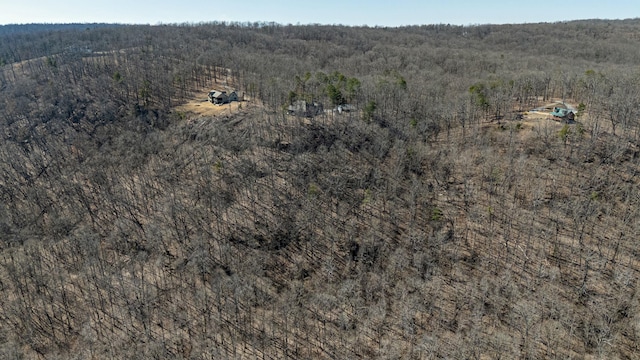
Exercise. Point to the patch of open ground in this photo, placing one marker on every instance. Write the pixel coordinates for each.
(200, 106)
(543, 113)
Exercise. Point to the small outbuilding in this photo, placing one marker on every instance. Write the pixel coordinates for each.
(306, 109)
(345, 108)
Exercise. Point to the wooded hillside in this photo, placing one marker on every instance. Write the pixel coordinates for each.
(438, 218)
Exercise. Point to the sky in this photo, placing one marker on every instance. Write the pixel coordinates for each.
(346, 12)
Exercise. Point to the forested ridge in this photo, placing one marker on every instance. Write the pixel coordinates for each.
(436, 219)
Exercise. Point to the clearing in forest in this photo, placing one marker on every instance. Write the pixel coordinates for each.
(198, 104)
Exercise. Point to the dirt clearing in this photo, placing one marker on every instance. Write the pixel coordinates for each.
(200, 106)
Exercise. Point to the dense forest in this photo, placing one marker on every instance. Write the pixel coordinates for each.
(435, 219)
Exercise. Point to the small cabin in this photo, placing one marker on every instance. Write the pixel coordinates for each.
(561, 114)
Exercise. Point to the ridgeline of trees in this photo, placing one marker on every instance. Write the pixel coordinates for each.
(14, 29)
(429, 223)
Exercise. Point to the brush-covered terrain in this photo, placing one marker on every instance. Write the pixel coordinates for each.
(439, 217)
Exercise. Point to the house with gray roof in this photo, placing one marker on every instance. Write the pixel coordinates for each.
(222, 97)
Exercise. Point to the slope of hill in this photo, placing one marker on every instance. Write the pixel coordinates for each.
(429, 222)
